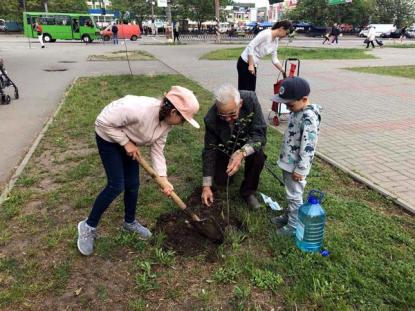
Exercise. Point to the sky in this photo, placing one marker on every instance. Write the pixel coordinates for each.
(259, 3)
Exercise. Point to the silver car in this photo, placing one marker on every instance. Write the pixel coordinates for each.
(3, 26)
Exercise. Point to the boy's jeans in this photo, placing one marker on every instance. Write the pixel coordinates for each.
(294, 191)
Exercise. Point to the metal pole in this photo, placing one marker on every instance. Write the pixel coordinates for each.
(24, 10)
(217, 17)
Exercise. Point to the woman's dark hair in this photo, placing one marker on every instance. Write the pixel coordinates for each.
(286, 24)
(166, 109)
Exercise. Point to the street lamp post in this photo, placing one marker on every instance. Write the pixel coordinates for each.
(217, 17)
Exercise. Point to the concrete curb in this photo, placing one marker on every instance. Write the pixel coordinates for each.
(9, 186)
(402, 203)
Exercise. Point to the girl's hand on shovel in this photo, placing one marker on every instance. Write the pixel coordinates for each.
(168, 187)
(132, 150)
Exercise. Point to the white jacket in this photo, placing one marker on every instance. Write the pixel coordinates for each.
(371, 35)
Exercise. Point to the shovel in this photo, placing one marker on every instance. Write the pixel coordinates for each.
(207, 227)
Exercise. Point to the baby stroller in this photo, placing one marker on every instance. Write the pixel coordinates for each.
(6, 82)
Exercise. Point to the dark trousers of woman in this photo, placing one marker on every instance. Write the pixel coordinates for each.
(176, 35)
(370, 42)
(254, 164)
(246, 80)
(122, 175)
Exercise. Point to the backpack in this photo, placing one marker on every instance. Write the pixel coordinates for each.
(114, 29)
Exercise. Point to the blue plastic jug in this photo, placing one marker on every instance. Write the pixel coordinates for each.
(310, 227)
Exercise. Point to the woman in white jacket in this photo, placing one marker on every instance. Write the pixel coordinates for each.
(265, 43)
(371, 36)
(121, 126)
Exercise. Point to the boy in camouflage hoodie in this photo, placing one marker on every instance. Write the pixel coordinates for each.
(298, 147)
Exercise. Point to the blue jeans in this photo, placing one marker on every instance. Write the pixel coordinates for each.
(122, 175)
(115, 38)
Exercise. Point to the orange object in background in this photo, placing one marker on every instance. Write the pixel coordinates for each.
(129, 31)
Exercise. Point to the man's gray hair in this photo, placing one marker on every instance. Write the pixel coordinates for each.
(227, 92)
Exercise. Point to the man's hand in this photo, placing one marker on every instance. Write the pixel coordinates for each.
(251, 69)
(235, 162)
(167, 186)
(297, 177)
(207, 196)
(132, 150)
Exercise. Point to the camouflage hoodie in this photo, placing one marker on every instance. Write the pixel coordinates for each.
(300, 140)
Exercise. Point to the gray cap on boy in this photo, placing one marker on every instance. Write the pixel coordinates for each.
(292, 89)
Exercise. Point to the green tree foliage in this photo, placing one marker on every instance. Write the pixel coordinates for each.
(319, 12)
(12, 10)
(358, 12)
(139, 9)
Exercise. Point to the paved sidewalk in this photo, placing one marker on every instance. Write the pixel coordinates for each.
(368, 124)
(41, 91)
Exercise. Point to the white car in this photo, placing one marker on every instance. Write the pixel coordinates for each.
(379, 28)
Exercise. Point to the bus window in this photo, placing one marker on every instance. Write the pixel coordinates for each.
(62, 20)
(47, 20)
(85, 21)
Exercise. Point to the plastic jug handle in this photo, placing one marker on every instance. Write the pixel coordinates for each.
(317, 194)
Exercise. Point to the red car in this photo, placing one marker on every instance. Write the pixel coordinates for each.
(129, 31)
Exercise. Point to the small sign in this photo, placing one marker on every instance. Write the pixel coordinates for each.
(162, 3)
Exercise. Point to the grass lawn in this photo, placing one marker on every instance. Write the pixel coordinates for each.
(372, 242)
(121, 55)
(301, 53)
(399, 71)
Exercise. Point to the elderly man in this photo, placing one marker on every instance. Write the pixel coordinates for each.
(235, 131)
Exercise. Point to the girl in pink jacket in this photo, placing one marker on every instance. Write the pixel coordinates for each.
(121, 128)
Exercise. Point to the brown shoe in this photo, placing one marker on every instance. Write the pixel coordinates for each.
(252, 202)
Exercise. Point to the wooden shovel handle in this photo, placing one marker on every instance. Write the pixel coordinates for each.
(160, 182)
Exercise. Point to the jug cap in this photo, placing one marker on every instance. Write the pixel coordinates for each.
(315, 197)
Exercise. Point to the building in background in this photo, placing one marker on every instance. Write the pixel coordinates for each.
(102, 12)
(276, 11)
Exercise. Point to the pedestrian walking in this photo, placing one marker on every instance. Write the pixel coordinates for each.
(114, 30)
(298, 147)
(176, 33)
(265, 43)
(120, 128)
(39, 30)
(403, 34)
(371, 36)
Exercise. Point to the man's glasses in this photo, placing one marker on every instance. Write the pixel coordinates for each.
(232, 114)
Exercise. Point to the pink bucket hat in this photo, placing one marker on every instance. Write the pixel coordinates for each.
(185, 102)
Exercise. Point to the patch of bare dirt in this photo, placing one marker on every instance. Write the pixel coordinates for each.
(183, 237)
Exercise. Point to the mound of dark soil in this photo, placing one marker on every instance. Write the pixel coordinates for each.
(182, 237)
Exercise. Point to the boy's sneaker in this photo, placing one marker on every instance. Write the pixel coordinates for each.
(143, 232)
(280, 221)
(286, 231)
(86, 236)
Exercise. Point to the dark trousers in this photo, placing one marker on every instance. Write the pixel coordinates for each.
(122, 175)
(253, 168)
(246, 80)
(370, 42)
(176, 35)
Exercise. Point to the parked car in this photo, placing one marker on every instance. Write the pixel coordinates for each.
(316, 31)
(3, 26)
(411, 31)
(379, 29)
(302, 27)
(346, 28)
(129, 31)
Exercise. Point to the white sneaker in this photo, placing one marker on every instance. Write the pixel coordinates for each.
(135, 226)
(86, 237)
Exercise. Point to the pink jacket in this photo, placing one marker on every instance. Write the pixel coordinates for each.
(136, 118)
